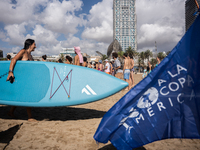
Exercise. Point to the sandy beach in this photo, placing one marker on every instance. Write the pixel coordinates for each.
(69, 128)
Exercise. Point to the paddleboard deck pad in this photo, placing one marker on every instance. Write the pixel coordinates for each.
(48, 84)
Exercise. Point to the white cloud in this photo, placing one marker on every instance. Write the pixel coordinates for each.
(161, 21)
(87, 46)
(103, 33)
(44, 36)
(15, 33)
(59, 17)
(71, 41)
(100, 12)
(156, 32)
(16, 49)
(55, 15)
(90, 47)
(2, 35)
(48, 50)
(100, 22)
(46, 41)
(19, 12)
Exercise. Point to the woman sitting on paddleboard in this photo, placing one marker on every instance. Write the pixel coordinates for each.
(24, 55)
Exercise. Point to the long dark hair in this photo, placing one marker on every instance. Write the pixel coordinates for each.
(28, 43)
(69, 59)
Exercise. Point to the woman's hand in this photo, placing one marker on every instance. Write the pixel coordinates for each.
(10, 77)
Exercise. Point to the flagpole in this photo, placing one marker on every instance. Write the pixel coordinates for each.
(197, 4)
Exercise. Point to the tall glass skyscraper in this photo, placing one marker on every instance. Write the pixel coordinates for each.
(124, 23)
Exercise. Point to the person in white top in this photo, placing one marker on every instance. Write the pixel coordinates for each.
(107, 67)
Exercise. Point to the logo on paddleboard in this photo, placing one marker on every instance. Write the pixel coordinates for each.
(88, 90)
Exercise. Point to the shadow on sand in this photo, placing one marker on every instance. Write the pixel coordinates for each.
(111, 147)
(52, 113)
(7, 136)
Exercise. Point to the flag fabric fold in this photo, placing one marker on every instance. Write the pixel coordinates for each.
(166, 104)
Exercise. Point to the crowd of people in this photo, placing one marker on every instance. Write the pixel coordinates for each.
(112, 67)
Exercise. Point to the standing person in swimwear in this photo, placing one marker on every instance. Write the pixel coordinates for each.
(132, 69)
(158, 61)
(96, 64)
(111, 67)
(149, 67)
(85, 62)
(117, 66)
(107, 67)
(126, 70)
(100, 66)
(78, 59)
(24, 55)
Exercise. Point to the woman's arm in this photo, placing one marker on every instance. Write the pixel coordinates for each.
(13, 62)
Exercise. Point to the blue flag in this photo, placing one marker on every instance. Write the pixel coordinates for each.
(166, 104)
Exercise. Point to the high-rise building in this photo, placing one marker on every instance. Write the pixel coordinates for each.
(190, 9)
(124, 23)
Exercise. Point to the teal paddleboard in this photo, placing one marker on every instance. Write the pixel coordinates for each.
(47, 84)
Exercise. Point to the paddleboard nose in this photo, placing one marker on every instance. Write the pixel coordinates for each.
(124, 84)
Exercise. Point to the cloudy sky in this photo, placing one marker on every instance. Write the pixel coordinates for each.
(57, 24)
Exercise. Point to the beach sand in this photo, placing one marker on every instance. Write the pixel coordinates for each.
(69, 128)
